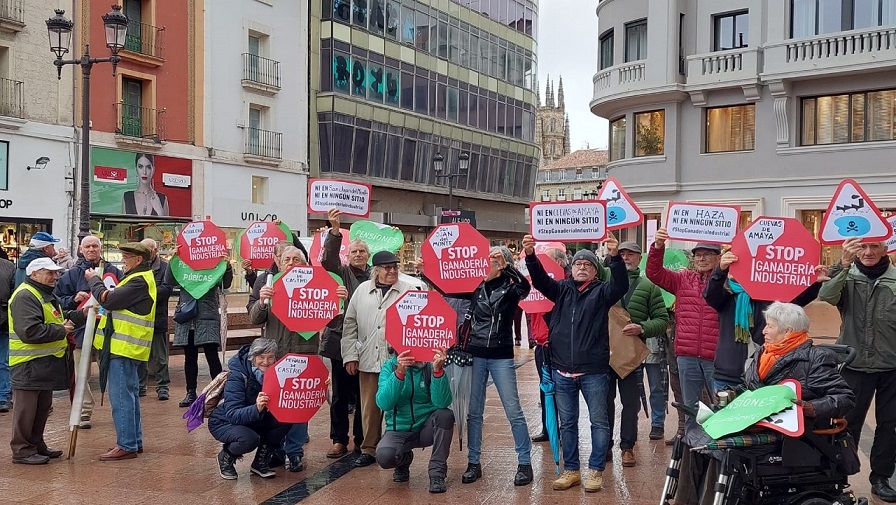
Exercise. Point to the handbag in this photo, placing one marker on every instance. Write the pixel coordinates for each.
(457, 354)
(186, 311)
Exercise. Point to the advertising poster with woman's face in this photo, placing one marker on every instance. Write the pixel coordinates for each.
(140, 184)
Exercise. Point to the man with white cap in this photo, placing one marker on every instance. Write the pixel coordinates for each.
(39, 359)
(42, 245)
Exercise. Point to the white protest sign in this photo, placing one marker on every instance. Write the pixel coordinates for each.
(698, 222)
(852, 214)
(569, 222)
(349, 197)
(621, 210)
(891, 242)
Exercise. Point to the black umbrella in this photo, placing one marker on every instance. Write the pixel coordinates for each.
(105, 356)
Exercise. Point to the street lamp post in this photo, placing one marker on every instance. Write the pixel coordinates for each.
(463, 165)
(59, 29)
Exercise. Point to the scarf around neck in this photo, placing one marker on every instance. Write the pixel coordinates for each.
(875, 271)
(743, 313)
(771, 353)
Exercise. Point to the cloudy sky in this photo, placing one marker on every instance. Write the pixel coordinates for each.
(567, 46)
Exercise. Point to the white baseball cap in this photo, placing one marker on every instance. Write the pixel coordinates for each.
(41, 264)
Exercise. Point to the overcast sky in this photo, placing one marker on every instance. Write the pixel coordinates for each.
(567, 46)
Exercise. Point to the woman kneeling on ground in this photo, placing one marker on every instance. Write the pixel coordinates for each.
(242, 421)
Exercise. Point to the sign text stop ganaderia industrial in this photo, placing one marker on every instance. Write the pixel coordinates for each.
(305, 298)
(201, 245)
(297, 387)
(455, 257)
(420, 321)
(776, 258)
(256, 243)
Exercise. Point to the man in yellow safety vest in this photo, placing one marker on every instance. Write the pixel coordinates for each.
(39, 359)
(125, 335)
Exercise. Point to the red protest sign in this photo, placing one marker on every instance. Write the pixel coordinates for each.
(455, 257)
(305, 298)
(256, 243)
(201, 245)
(541, 247)
(317, 246)
(852, 214)
(297, 387)
(776, 258)
(420, 321)
(536, 303)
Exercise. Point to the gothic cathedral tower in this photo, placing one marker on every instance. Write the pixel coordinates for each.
(552, 125)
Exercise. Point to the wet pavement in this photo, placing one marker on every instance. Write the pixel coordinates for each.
(178, 467)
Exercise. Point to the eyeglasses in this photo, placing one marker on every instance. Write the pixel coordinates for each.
(704, 256)
(390, 268)
(126, 256)
(583, 264)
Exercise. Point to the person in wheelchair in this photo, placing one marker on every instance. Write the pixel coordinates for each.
(788, 353)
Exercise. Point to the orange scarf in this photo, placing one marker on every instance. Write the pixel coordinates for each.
(773, 352)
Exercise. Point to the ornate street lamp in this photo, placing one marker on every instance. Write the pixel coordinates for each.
(463, 166)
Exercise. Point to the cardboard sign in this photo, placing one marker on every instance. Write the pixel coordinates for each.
(196, 282)
(891, 242)
(297, 387)
(455, 257)
(777, 257)
(535, 302)
(256, 243)
(201, 245)
(378, 236)
(350, 197)
(852, 214)
(569, 222)
(420, 321)
(317, 246)
(748, 409)
(621, 209)
(789, 421)
(697, 222)
(305, 298)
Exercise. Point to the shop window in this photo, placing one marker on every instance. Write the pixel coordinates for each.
(731, 128)
(636, 41)
(606, 50)
(730, 31)
(15, 233)
(617, 139)
(259, 190)
(650, 133)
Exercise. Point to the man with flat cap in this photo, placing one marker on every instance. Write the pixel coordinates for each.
(125, 335)
(364, 348)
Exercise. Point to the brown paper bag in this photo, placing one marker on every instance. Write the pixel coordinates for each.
(626, 353)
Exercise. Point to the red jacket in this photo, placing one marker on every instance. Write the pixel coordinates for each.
(539, 328)
(696, 323)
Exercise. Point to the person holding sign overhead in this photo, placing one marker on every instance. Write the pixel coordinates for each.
(863, 288)
(579, 343)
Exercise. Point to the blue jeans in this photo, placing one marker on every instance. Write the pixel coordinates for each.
(124, 386)
(504, 375)
(657, 394)
(720, 384)
(5, 389)
(296, 437)
(566, 395)
(695, 375)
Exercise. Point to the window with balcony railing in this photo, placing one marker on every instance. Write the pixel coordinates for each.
(817, 17)
(263, 143)
(12, 94)
(730, 31)
(139, 122)
(636, 41)
(12, 10)
(261, 70)
(144, 39)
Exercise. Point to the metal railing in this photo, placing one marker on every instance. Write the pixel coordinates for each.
(144, 39)
(12, 98)
(261, 70)
(263, 143)
(12, 10)
(141, 122)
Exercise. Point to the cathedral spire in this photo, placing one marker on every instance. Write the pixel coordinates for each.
(549, 94)
(560, 101)
(566, 146)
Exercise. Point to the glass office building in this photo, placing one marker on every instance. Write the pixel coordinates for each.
(398, 81)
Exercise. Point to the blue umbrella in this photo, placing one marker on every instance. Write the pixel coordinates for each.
(550, 414)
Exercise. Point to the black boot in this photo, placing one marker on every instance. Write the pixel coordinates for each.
(225, 465)
(523, 475)
(402, 471)
(474, 472)
(189, 399)
(260, 463)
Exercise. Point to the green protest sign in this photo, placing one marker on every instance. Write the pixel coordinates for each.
(748, 409)
(308, 334)
(673, 259)
(379, 237)
(196, 282)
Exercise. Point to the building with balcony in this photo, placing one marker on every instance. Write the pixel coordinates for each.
(394, 82)
(37, 158)
(767, 105)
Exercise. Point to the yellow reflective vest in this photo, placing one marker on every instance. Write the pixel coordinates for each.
(20, 352)
(131, 332)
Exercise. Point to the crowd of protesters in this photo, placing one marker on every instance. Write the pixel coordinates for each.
(698, 346)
